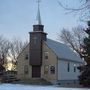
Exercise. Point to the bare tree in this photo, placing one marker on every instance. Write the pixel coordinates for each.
(83, 9)
(9, 50)
(4, 46)
(73, 38)
(4, 49)
(15, 49)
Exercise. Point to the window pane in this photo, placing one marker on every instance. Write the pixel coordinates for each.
(52, 70)
(46, 54)
(68, 68)
(74, 67)
(26, 56)
(46, 69)
(26, 69)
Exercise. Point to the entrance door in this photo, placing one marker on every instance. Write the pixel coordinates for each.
(36, 71)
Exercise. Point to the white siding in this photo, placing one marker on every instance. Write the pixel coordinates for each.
(63, 73)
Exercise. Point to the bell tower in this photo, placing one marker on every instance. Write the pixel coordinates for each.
(37, 36)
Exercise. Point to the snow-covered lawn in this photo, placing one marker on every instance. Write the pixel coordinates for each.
(33, 87)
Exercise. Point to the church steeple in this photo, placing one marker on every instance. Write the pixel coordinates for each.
(38, 27)
(38, 17)
(37, 37)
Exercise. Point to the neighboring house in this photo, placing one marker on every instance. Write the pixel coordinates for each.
(47, 59)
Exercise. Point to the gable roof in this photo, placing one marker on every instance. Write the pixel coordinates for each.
(62, 51)
(27, 46)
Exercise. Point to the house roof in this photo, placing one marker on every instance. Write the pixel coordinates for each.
(62, 51)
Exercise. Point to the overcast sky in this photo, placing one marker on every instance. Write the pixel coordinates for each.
(18, 16)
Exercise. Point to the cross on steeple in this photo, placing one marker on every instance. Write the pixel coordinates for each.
(38, 1)
(38, 18)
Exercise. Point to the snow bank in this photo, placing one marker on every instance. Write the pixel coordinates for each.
(33, 87)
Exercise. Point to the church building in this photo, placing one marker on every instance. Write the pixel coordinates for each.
(47, 59)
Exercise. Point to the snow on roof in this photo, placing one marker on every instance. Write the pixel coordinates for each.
(63, 51)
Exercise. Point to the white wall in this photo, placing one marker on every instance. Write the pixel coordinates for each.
(63, 73)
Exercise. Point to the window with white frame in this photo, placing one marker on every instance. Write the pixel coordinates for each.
(46, 54)
(46, 68)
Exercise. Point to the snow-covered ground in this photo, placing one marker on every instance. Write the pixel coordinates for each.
(33, 87)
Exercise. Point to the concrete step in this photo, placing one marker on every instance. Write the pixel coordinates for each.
(35, 81)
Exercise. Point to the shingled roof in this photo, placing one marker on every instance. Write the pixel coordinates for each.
(62, 51)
